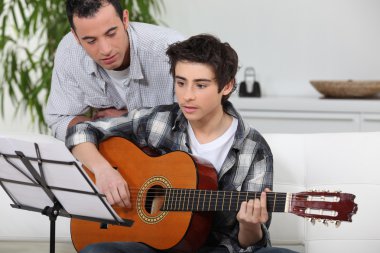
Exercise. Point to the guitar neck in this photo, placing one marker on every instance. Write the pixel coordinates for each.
(210, 200)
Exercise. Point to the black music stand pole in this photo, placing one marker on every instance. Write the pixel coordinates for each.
(53, 213)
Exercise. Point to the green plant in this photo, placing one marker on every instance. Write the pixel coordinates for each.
(30, 31)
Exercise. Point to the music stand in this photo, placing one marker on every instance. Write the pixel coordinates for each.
(42, 176)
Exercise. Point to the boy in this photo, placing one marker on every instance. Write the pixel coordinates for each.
(203, 123)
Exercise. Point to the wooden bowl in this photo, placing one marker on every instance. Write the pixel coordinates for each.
(347, 88)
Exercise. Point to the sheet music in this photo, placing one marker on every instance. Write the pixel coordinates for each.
(84, 205)
(68, 178)
(50, 148)
(8, 172)
(30, 196)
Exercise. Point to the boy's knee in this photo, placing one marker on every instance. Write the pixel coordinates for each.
(93, 248)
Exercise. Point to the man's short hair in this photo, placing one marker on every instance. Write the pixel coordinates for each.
(206, 49)
(88, 8)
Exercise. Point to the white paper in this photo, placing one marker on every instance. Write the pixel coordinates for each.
(85, 205)
(31, 196)
(66, 177)
(7, 171)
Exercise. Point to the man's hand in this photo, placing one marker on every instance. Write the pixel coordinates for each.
(108, 112)
(78, 119)
(99, 113)
(112, 184)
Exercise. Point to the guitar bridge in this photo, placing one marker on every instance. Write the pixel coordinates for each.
(103, 225)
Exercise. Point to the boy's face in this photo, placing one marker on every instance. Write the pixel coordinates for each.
(196, 90)
(104, 37)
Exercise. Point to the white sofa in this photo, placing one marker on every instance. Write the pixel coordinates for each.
(349, 162)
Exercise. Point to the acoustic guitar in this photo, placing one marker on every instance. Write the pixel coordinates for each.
(173, 198)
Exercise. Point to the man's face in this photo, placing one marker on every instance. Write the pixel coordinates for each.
(104, 37)
(197, 94)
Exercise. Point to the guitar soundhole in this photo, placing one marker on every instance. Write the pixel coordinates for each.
(154, 199)
(150, 199)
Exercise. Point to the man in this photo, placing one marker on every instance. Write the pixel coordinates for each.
(107, 65)
(203, 123)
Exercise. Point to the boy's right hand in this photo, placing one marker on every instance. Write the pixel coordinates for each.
(112, 184)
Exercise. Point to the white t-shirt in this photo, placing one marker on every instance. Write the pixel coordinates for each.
(215, 151)
(120, 79)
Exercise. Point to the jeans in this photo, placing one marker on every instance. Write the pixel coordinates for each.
(133, 247)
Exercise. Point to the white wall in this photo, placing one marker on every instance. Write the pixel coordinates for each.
(289, 42)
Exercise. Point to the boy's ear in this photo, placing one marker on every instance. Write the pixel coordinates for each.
(229, 87)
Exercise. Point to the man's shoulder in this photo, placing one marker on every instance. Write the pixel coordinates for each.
(147, 30)
(69, 50)
(153, 36)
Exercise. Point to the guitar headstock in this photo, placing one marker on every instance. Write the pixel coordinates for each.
(324, 206)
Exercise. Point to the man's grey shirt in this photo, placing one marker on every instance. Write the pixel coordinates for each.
(79, 84)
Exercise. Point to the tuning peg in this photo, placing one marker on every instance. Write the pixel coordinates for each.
(312, 221)
(337, 223)
(325, 222)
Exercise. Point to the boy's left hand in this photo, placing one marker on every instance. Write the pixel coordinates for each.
(253, 212)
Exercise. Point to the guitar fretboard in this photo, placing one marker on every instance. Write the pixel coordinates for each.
(210, 200)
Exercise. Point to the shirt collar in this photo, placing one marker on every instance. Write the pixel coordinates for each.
(242, 128)
(91, 66)
(180, 123)
(135, 66)
(241, 132)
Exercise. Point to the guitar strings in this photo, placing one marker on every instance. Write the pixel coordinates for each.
(184, 196)
(153, 192)
(187, 195)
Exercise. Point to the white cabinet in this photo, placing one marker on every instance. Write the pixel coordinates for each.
(309, 115)
(302, 122)
(370, 122)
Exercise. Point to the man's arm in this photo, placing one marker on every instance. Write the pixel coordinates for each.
(98, 114)
(65, 101)
(108, 112)
(78, 119)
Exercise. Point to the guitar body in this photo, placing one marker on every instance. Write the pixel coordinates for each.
(175, 230)
(173, 197)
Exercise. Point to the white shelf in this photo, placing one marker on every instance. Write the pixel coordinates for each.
(311, 104)
(309, 115)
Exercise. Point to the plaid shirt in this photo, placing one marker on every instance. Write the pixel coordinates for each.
(247, 167)
(79, 84)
